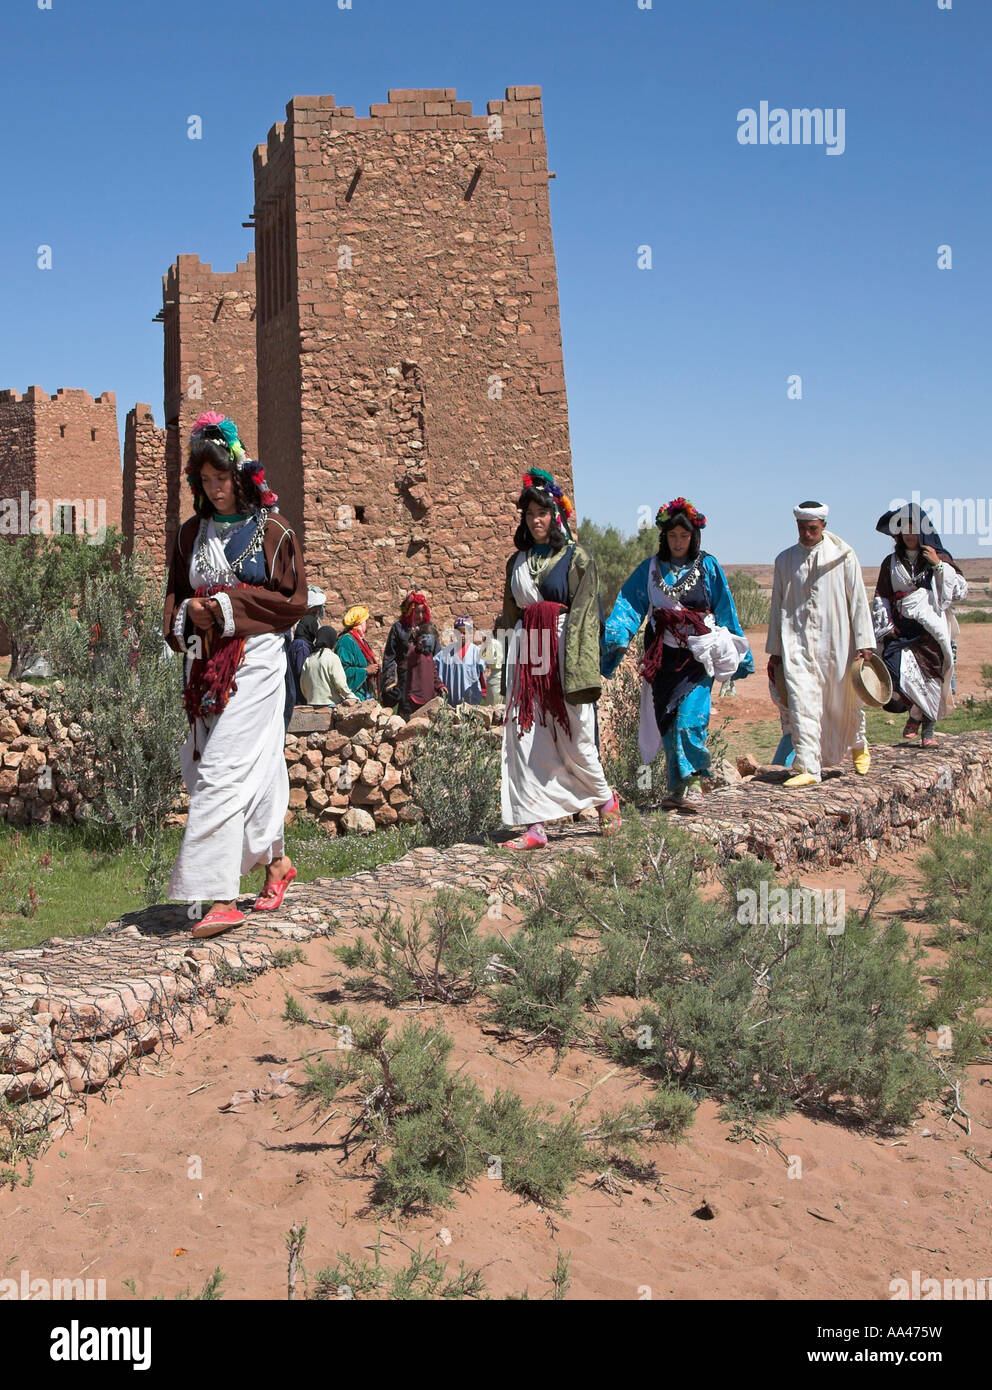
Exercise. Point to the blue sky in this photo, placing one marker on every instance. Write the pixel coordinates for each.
(768, 261)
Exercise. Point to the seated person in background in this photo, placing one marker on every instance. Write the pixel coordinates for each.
(422, 680)
(300, 648)
(358, 659)
(323, 681)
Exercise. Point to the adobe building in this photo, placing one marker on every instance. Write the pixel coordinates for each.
(145, 503)
(209, 322)
(208, 318)
(60, 463)
(409, 344)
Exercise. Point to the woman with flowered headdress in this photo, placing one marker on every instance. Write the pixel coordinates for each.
(693, 636)
(236, 586)
(414, 610)
(551, 766)
(361, 667)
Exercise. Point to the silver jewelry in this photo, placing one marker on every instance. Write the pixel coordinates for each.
(679, 586)
(537, 564)
(216, 576)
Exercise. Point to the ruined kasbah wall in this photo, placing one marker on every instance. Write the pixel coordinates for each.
(78, 456)
(209, 364)
(59, 452)
(145, 499)
(421, 276)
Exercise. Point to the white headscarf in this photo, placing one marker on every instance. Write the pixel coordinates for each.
(815, 512)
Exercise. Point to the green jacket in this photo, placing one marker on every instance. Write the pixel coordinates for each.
(583, 626)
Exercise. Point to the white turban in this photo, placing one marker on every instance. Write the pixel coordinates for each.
(817, 512)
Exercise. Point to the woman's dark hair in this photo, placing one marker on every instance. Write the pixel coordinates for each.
(901, 547)
(326, 637)
(522, 537)
(209, 446)
(664, 553)
(308, 627)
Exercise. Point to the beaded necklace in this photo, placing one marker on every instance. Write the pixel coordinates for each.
(209, 571)
(679, 586)
(537, 564)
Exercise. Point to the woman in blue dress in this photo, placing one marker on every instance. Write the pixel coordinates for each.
(693, 636)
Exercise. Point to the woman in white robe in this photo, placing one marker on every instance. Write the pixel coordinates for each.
(236, 586)
(551, 766)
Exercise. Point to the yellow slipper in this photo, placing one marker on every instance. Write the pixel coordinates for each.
(801, 779)
(862, 760)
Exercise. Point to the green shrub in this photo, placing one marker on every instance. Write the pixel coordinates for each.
(423, 1278)
(753, 609)
(543, 995)
(120, 685)
(957, 879)
(638, 784)
(456, 777)
(437, 954)
(41, 576)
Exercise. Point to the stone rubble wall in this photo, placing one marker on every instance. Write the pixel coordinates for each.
(349, 767)
(74, 1013)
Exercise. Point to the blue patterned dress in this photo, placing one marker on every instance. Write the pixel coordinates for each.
(679, 701)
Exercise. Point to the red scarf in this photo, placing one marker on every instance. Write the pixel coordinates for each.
(211, 680)
(536, 676)
(369, 656)
(678, 621)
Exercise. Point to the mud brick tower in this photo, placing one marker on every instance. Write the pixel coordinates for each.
(209, 321)
(145, 496)
(409, 344)
(63, 452)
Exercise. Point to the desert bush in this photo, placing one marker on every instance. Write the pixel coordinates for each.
(422, 1278)
(957, 881)
(456, 776)
(766, 1017)
(973, 615)
(118, 683)
(638, 784)
(753, 609)
(438, 954)
(616, 555)
(439, 1131)
(41, 576)
(543, 995)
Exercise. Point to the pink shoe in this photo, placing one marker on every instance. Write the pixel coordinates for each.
(609, 816)
(272, 894)
(531, 839)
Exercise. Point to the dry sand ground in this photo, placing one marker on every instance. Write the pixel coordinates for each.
(867, 1209)
(120, 1204)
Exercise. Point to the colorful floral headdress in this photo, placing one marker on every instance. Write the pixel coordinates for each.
(561, 504)
(679, 506)
(210, 425)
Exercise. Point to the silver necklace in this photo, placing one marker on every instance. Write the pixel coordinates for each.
(216, 576)
(537, 564)
(680, 586)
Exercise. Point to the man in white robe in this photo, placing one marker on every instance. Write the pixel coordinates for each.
(820, 621)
